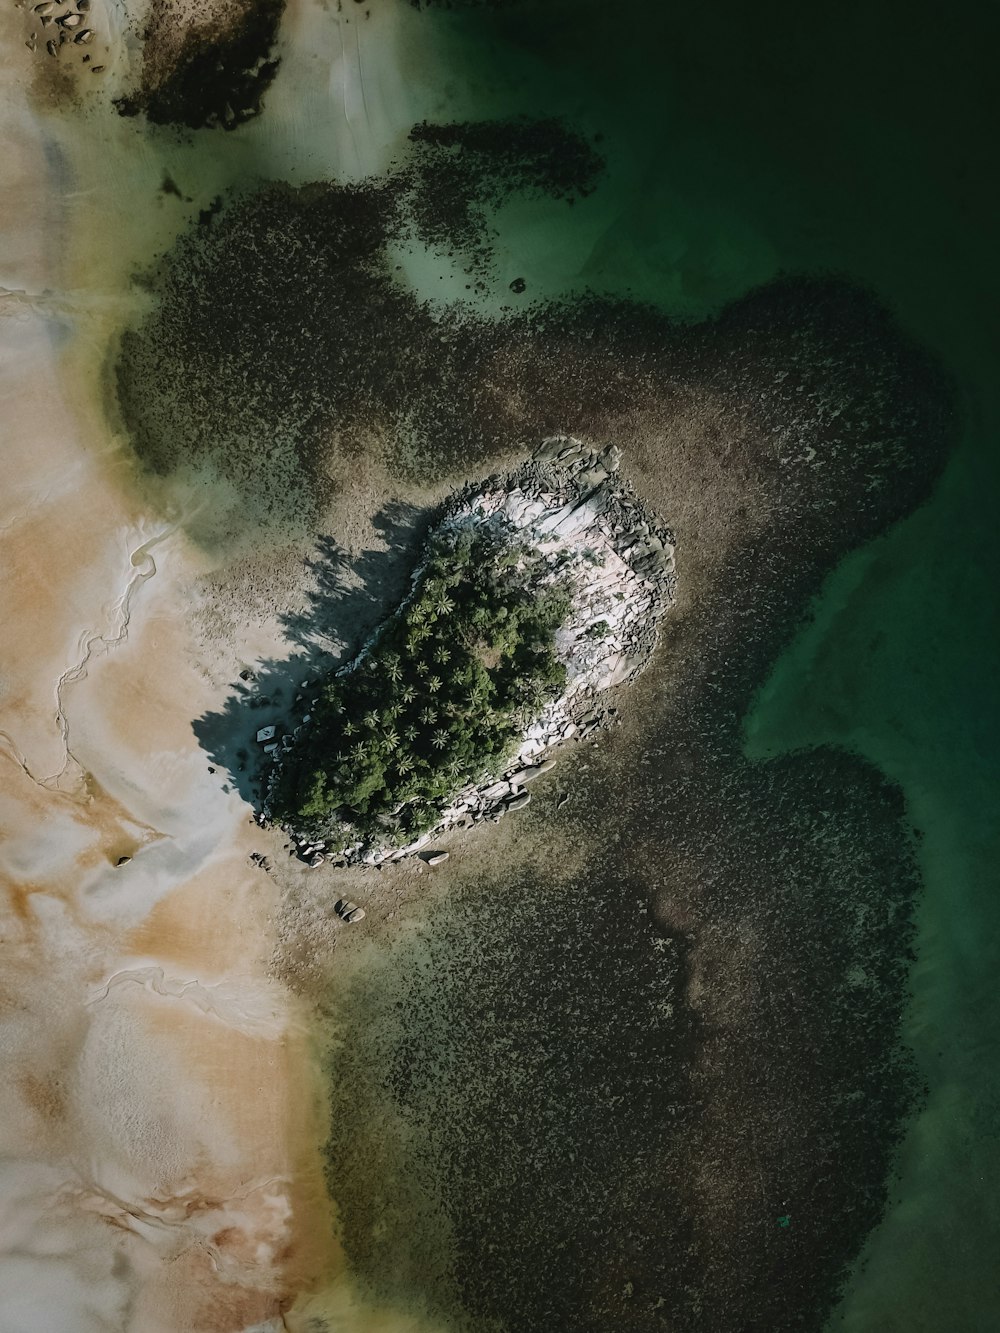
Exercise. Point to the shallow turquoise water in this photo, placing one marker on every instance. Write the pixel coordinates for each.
(741, 145)
(898, 665)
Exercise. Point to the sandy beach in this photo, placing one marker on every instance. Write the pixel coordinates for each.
(162, 1106)
(162, 1109)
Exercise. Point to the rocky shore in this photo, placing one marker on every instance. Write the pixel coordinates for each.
(596, 538)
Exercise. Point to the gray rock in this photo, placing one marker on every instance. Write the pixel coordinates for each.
(438, 858)
(519, 802)
(592, 476)
(548, 450)
(531, 772)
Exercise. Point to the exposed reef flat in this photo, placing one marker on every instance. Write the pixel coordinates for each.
(584, 534)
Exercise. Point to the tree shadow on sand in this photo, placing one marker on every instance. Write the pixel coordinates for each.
(347, 596)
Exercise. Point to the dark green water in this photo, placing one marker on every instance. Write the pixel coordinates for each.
(746, 142)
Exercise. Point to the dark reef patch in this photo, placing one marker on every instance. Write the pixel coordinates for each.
(265, 359)
(680, 1119)
(521, 1073)
(462, 171)
(208, 67)
(282, 345)
(612, 1113)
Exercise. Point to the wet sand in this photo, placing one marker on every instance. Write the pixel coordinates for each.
(162, 1104)
(162, 1107)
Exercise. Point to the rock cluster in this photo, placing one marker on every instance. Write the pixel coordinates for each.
(54, 27)
(570, 505)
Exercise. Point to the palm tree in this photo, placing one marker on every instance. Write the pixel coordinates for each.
(391, 739)
(434, 684)
(442, 655)
(411, 734)
(429, 716)
(422, 668)
(444, 604)
(371, 719)
(349, 728)
(392, 668)
(404, 765)
(408, 694)
(440, 740)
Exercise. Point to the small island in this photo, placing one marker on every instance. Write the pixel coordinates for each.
(536, 591)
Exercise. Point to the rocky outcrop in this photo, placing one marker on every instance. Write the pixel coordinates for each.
(570, 505)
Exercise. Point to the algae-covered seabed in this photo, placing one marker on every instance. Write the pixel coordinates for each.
(503, 1037)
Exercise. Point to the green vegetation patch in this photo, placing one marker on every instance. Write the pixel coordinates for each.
(440, 699)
